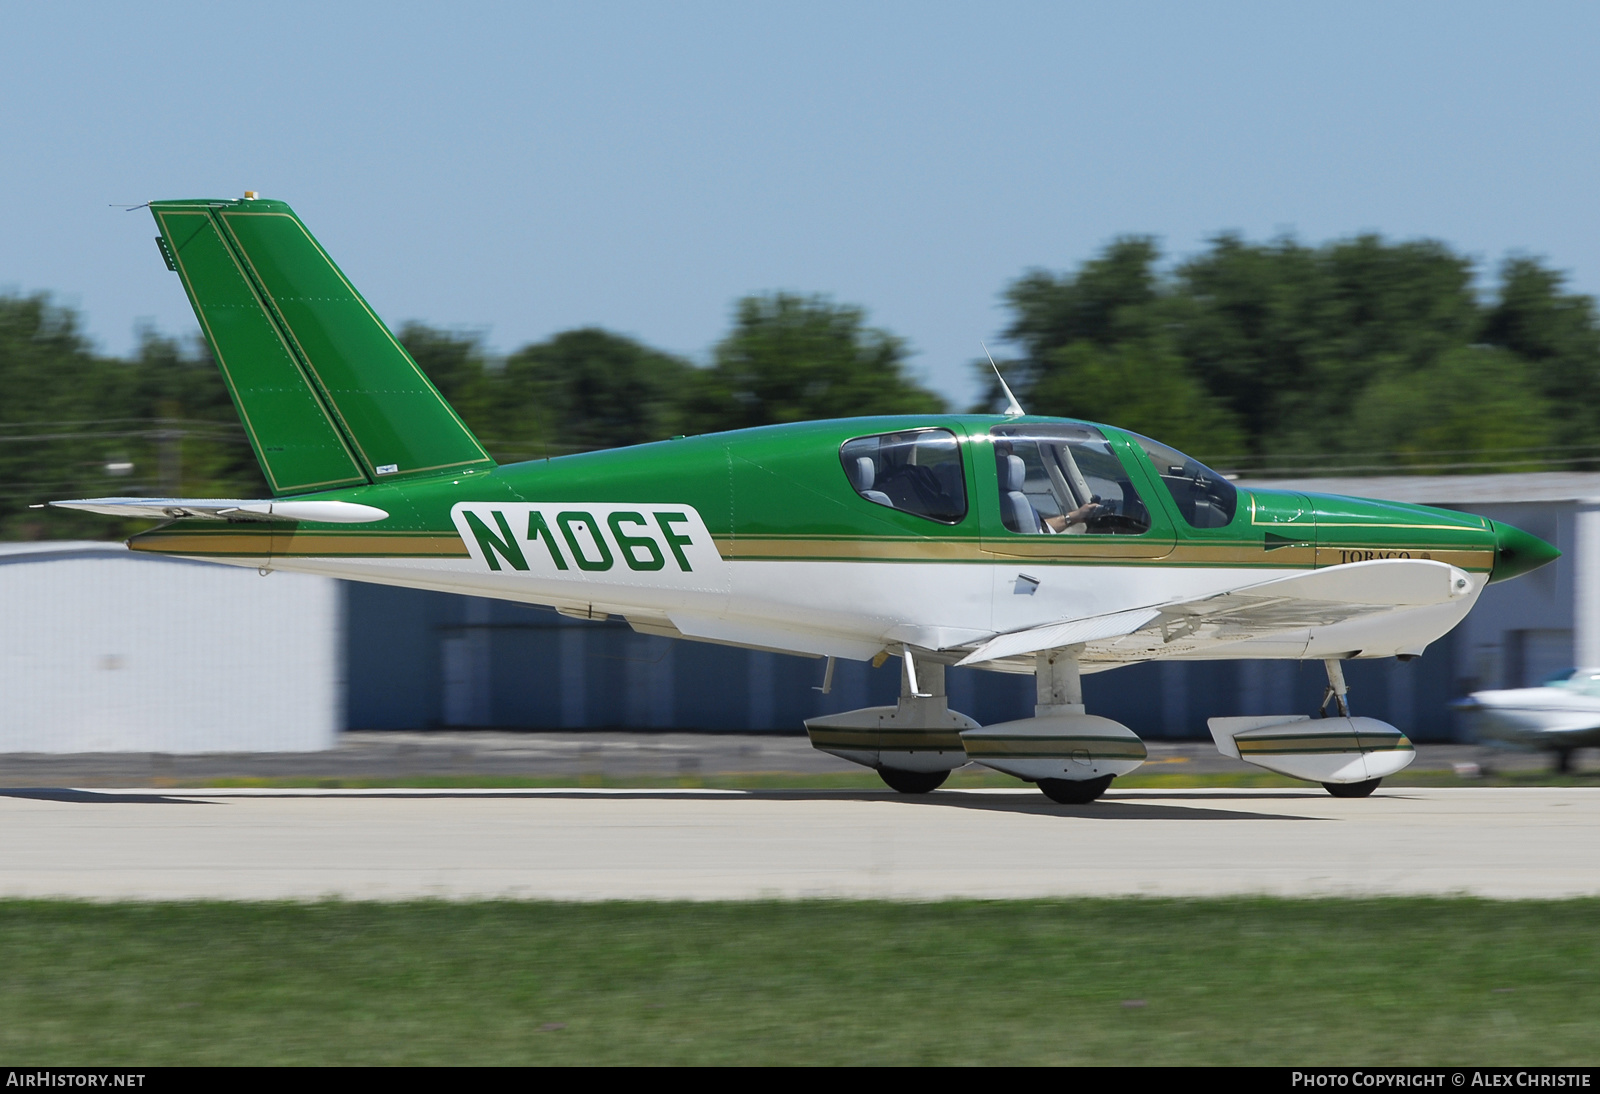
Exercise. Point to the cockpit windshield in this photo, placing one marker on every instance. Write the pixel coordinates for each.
(1204, 498)
(1064, 480)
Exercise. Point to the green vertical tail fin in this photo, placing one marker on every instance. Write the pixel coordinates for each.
(327, 395)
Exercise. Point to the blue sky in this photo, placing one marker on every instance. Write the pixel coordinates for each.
(522, 169)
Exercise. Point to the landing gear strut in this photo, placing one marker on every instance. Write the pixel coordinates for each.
(1349, 756)
(1338, 693)
(914, 744)
(1070, 755)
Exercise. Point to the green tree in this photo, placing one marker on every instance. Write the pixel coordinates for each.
(1301, 356)
(1139, 385)
(55, 396)
(1472, 405)
(1289, 336)
(1105, 302)
(458, 365)
(795, 358)
(193, 444)
(590, 388)
(74, 424)
(1558, 333)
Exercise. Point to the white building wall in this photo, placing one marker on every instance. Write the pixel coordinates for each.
(1522, 630)
(103, 650)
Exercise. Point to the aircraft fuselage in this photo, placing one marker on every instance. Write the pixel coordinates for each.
(767, 538)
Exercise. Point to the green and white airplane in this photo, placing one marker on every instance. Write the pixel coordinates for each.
(1012, 542)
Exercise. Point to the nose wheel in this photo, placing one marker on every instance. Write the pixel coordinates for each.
(1352, 790)
(912, 782)
(1074, 792)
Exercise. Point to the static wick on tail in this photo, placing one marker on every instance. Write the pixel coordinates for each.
(1013, 408)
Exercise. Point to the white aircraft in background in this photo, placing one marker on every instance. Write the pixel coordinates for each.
(1561, 716)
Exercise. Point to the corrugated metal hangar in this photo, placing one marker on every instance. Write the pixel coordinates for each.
(103, 650)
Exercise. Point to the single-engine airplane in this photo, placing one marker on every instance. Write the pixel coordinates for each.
(1010, 542)
(1561, 716)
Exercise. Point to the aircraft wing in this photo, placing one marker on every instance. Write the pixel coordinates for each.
(236, 509)
(1319, 598)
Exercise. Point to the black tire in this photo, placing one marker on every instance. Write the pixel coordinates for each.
(1073, 791)
(912, 782)
(1352, 790)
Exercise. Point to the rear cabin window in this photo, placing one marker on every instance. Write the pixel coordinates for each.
(918, 471)
(1204, 498)
(1064, 480)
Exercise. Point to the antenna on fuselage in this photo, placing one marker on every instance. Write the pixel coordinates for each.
(1013, 408)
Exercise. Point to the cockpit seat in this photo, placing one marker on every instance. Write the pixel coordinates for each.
(1020, 514)
(866, 475)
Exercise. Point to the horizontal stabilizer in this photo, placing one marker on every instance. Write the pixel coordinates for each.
(236, 509)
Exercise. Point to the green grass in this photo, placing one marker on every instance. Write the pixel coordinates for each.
(1215, 982)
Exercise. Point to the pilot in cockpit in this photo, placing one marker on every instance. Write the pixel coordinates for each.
(1055, 485)
(1083, 514)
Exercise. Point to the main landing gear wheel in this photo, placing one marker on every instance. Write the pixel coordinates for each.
(912, 782)
(1073, 791)
(1352, 790)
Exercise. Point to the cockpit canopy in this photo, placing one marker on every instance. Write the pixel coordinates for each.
(1053, 478)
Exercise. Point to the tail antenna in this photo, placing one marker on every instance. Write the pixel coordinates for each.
(1013, 408)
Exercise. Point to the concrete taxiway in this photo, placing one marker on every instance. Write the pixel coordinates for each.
(699, 845)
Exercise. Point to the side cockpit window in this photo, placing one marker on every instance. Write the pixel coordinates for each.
(1064, 480)
(1204, 498)
(918, 471)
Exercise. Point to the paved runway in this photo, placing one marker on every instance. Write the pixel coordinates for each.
(593, 845)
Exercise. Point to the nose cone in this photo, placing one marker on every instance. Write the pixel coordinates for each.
(1516, 552)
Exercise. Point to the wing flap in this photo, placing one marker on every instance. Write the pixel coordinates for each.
(1319, 598)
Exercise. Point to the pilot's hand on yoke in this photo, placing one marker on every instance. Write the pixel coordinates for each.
(1081, 515)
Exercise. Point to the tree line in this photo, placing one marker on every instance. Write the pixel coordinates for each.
(1359, 356)
(160, 423)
